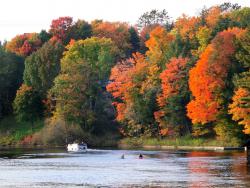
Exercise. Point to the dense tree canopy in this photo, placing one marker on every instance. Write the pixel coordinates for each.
(172, 114)
(24, 44)
(240, 108)
(118, 32)
(159, 78)
(80, 30)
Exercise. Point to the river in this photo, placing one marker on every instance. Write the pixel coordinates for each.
(105, 168)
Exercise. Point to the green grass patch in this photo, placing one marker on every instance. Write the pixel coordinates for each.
(182, 141)
(11, 131)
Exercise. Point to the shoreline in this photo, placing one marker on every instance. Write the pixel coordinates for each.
(126, 146)
(165, 147)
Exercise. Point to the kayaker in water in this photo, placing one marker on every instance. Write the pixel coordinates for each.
(140, 156)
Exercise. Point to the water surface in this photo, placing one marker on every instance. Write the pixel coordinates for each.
(105, 168)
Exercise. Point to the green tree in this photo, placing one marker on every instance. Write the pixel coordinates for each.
(11, 72)
(134, 40)
(178, 47)
(27, 105)
(243, 56)
(44, 36)
(242, 16)
(80, 30)
(224, 23)
(42, 66)
(78, 89)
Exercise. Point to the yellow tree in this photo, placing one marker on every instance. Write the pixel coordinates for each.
(78, 89)
(158, 46)
(240, 109)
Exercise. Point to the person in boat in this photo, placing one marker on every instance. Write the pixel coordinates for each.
(140, 156)
(123, 156)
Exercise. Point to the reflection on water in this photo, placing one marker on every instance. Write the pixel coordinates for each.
(248, 157)
(105, 168)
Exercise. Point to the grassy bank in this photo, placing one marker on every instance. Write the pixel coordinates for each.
(12, 132)
(182, 141)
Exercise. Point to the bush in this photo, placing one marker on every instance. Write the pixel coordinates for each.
(57, 132)
(199, 130)
(13, 132)
(229, 132)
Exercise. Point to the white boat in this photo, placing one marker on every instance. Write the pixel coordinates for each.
(75, 147)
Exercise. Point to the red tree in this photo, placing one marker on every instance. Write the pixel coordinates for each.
(60, 28)
(173, 81)
(124, 82)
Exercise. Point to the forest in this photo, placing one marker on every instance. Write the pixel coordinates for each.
(105, 81)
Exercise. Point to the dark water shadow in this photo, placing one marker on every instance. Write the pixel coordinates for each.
(36, 153)
(15, 153)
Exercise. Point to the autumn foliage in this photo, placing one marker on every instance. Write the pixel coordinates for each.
(187, 26)
(60, 28)
(158, 44)
(158, 78)
(117, 31)
(24, 44)
(213, 16)
(122, 82)
(207, 78)
(173, 82)
(240, 108)
(170, 79)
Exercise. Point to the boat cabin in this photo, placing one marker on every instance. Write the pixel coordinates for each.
(75, 147)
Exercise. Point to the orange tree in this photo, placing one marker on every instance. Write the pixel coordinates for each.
(134, 111)
(118, 32)
(210, 81)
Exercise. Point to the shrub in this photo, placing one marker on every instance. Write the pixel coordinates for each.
(228, 132)
(57, 132)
